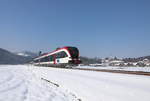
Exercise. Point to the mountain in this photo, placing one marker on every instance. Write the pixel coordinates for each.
(7, 57)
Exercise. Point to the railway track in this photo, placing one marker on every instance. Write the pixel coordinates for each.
(116, 71)
(110, 71)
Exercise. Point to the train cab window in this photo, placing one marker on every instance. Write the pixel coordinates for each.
(74, 52)
(61, 55)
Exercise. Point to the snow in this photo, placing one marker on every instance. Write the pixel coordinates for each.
(99, 86)
(143, 69)
(24, 83)
(23, 54)
(18, 83)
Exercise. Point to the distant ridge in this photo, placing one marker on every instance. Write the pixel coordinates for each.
(86, 60)
(136, 59)
(7, 57)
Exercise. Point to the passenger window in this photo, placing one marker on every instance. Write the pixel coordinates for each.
(61, 55)
(51, 58)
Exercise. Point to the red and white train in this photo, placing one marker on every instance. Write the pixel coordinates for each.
(62, 57)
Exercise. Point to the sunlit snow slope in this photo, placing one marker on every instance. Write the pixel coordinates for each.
(99, 86)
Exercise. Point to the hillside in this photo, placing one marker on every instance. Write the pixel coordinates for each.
(7, 57)
(136, 59)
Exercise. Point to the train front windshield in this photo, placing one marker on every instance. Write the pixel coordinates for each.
(74, 52)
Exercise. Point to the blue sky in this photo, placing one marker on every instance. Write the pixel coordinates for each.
(99, 28)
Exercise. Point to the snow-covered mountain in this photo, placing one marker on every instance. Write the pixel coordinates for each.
(26, 54)
(22, 54)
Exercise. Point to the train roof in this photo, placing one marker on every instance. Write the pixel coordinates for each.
(57, 49)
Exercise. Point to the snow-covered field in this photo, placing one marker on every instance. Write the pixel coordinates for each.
(143, 69)
(23, 83)
(19, 83)
(99, 86)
